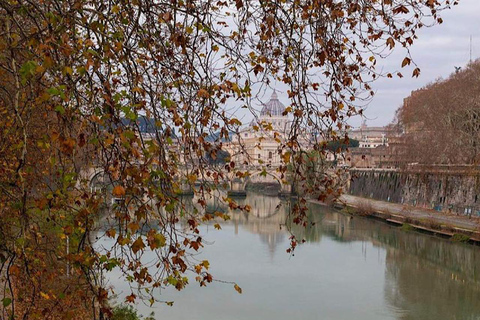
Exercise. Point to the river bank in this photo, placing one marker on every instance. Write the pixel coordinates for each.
(456, 227)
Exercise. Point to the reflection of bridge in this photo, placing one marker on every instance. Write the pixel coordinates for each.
(265, 218)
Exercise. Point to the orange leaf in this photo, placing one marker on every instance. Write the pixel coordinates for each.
(237, 288)
(118, 191)
(133, 226)
(45, 296)
(202, 93)
(111, 233)
(130, 298)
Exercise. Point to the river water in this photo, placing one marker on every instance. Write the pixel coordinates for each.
(349, 268)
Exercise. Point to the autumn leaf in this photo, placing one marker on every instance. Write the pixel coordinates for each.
(192, 178)
(406, 61)
(131, 298)
(258, 69)
(137, 245)
(45, 295)
(286, 157)
(123, 241)
(157, 241)
(133, 226)
(416, 72)
(206, 264)
(236, 89)
(401, 9)
(235, 122)
(391, 42)
(118, 191)
(237, 288)
(202, 93)
(68, 230)
(68, 145)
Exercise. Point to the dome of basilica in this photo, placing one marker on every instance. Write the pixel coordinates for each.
(272, 108)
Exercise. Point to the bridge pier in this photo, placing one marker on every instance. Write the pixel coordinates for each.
(237, 189)
(286, 191)
(185, 189)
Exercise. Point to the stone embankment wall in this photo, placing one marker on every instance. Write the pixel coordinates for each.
(443, 190)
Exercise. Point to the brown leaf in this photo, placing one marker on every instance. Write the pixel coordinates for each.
(416, 73)
(406, 61)
(391, 42)
(138, 245)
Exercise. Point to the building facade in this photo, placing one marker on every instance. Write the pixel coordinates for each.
(259, 144)
(370, 137)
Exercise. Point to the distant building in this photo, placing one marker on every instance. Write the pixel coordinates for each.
(377, 148)
(259, 143)
(370, 137)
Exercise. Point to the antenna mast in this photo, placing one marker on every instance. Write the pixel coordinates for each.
(470, 48)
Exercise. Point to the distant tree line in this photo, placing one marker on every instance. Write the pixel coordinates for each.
(342, 144)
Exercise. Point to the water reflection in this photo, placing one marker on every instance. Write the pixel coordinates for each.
(349, 268)
(426, 277)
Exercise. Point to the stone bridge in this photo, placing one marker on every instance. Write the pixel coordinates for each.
(238, 186)
(99, 181)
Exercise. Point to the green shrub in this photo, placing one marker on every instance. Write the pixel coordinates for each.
(127, 312)
(457, 237)
(407, 227)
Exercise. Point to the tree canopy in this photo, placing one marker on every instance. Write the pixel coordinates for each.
(443, 117)
(73, 70)
(342, 144)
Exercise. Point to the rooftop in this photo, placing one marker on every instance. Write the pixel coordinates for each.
(273, 107)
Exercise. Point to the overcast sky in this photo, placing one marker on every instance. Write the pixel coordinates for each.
(437, 51)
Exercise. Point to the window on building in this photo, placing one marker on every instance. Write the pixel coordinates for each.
(270, 155)
(259, 156)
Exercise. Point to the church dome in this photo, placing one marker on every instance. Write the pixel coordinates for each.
(273, 107)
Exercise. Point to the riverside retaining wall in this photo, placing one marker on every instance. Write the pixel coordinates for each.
(443, 190)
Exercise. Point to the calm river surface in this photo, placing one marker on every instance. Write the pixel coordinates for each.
(349, 268)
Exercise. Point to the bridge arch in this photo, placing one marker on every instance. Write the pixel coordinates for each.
(100, 181)
(257, 173)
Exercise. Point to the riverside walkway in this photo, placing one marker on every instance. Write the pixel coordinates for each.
(421, 218)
